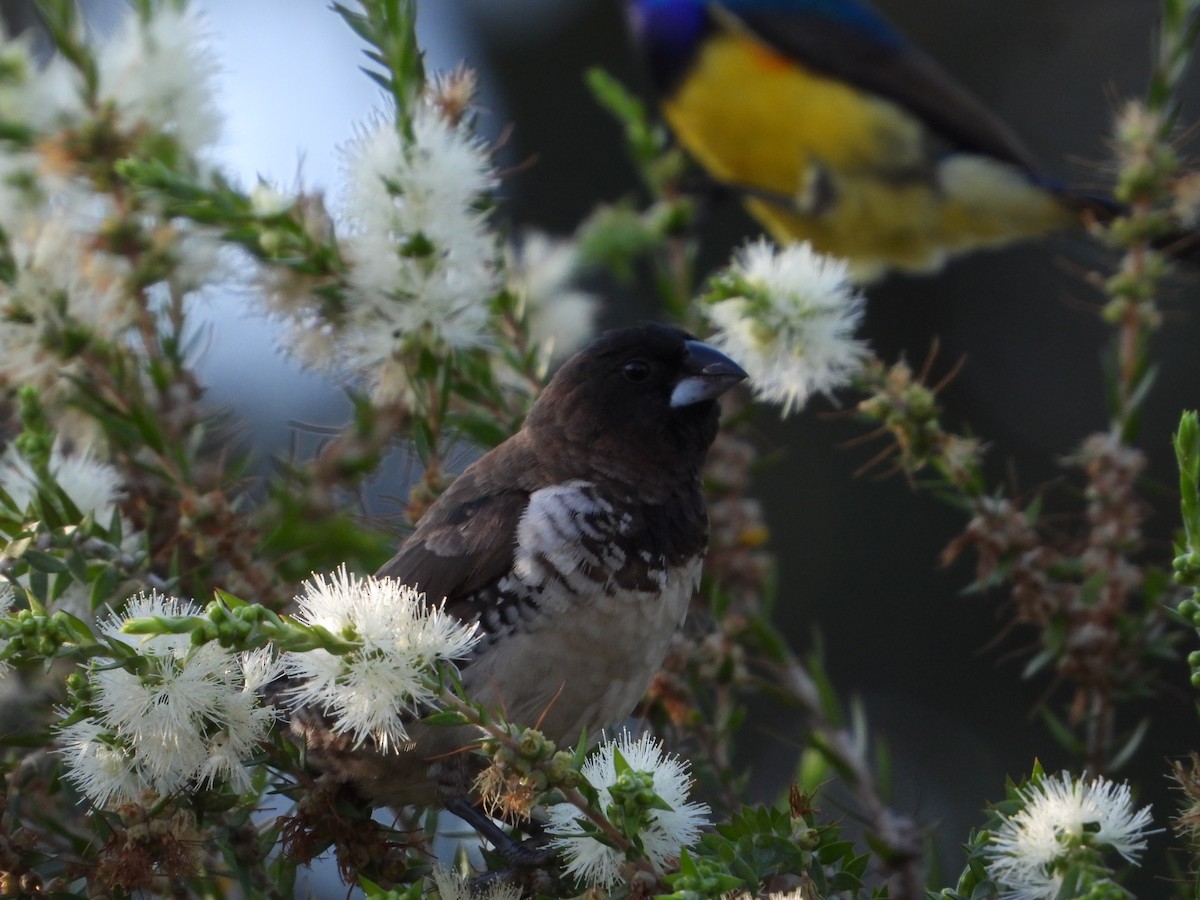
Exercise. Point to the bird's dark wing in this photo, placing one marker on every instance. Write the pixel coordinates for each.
(463, 545)
(865, 52)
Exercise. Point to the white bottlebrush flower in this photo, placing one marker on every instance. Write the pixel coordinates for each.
(423, 262)
(292, 295)
(38, 96)
(21, 194)
(788, 316)
(159, 73)
(191, 717)
(202, 259)
(259, 668)
(402, 638)
(165, 714)
(98, 765)
(1059, 817)
(311, 339)
(65, 291)
(242, 721)
(267, 200)
(669, 830)
(93, 486)
(452, 886)
(561, 317)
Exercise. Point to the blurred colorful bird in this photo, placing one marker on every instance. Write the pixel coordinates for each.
(839, 132)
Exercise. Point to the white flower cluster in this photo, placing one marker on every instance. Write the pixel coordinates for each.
(191, 717)
(425, 268)
(403, 638)
(788, 316)
(158, 73)
(669, 830)
(92, 485)
(64, 291)
(423, 260)
(561, 317)
(154, 75)
(1030, 852)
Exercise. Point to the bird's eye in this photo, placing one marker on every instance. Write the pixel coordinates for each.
(637, 370)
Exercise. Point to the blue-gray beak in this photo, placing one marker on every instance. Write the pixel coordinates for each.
(708, 373)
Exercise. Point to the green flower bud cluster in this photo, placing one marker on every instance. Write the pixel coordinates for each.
(233, 626)
(1148, 161)
(1106, 890)
(701, 877)
(633, 797)
(1134, 291)
(37, 635)
(535, 761)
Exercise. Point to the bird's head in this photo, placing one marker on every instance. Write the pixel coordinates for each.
(636, 399)
(668, 33)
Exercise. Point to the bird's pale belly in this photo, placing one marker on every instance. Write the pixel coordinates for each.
(572, 671)
(597, 673)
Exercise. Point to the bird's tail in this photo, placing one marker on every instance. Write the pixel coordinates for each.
(1182, 245)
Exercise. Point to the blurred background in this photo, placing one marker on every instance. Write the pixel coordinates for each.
(858, 555)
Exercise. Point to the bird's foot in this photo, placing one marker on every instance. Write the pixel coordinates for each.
(534, 852)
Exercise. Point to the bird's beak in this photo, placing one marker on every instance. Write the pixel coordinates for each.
(708, 374)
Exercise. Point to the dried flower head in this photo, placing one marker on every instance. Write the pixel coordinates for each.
(1186, 195)
(453, 92)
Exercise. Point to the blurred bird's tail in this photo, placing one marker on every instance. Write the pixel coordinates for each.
(1182, 245)
(1090, 206)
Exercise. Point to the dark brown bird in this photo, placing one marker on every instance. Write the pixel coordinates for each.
(576, 545)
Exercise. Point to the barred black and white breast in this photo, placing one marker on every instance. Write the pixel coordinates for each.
(576, 545)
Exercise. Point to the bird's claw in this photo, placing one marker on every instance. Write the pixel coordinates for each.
(534, 852)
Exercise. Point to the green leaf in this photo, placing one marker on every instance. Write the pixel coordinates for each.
(643, 139)
(620, 765)
(389, 29)
(447, 717)
(44, 562)
(1130, 746)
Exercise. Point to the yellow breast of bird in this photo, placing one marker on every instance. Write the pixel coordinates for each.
(856, 170)
(755, 117)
